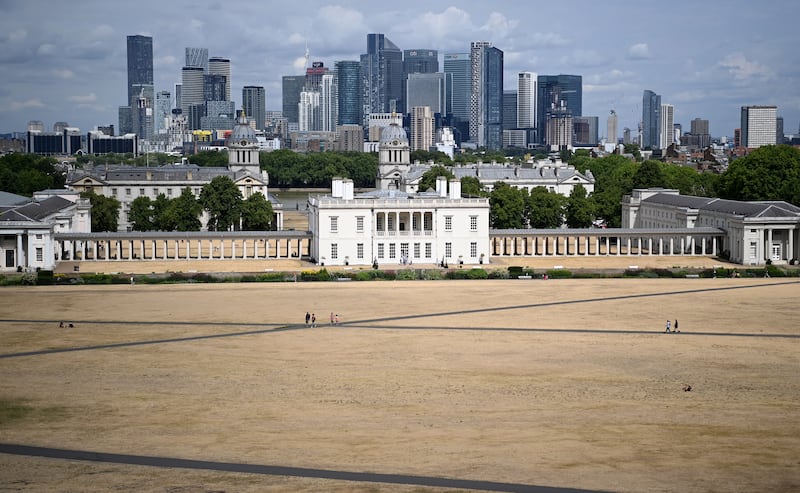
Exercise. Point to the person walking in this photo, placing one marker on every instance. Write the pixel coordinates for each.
(308, 317)
(336, 320)
(675, 326)
(667, 326)
(331, 318)
(313, 320)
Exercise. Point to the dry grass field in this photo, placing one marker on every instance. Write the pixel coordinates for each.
(517, 385)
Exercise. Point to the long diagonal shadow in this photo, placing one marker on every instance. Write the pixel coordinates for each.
(273, 470)
(360, 323)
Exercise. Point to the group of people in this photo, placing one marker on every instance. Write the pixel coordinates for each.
(311, 319)
(672, 328)
(64, 324)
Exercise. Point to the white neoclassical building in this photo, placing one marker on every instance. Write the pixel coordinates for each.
(391, 225)
(126, 183)
(754, 232)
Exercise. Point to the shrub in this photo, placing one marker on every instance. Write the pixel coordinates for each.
(44, 277)
(559, 274)
(514, 271)
(432, 275)
(406, 275)
(498, 274)
(477, 273)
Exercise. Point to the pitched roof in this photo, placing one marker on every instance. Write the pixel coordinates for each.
(36, 210)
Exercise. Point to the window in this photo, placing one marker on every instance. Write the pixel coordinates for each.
(334, 250)
(448, 249)
(404, 249)
(127, 192)
(473, 249)
(39, 254)
(360, 224)
(427, 223)
(390, 222)
(155, 192)
(380, 250)
(473, 223)
(334, 224)
(113, 192)
(448, 223)
(428, 250)
(39, 236)
(392, 250)
(142, 193)
(360, 250)
(416, 250)
(169, 192)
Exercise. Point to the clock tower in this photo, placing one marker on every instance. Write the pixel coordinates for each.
(394, 158)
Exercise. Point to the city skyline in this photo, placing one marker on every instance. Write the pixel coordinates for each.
(715, 62)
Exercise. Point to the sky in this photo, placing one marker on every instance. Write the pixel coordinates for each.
(66, 61)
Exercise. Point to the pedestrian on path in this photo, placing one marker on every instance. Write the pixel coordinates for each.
(675, 327)
(313, 320)
(668, 322)
(308, 317)
(336, 320)
(331, 318)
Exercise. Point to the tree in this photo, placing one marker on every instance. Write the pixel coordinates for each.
(649, 175)
(545, 210)
(140, 214)
(579, 211)
(183, 212)
(257, 213)
(428, 180)
(222, 200)
(435, 156)
(105, 211)
(507, 207)
(161, 218)
(471, 186)
(767, 173)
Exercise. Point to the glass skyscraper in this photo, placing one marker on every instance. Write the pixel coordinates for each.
(550, 90)
(254, 102)
(140, 67)
(457, 67)
(382, 70)
(292, 86)
(486, 99)
(651, 119)
(350, 93)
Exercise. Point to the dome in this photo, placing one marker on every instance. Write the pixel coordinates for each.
(243, 134)
(394, 135)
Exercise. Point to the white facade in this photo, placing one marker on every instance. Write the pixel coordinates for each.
(422, 128)
(308, 111)
(526, 99)
(329, 104)
(666, 128)
(394, 227)
(759, 126)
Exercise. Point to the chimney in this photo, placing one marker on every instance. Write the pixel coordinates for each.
(336, 187)
(455, 188)
(441, 186)
(347, 189)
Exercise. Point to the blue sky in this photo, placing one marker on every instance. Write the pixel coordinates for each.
(66, 61)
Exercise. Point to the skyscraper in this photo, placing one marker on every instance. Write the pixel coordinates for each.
(526, 100)
(197, 57)
(140, 83)
(308, 111)
(427, 89)
(457, 67)
(486, 98)
(419, 61)
(666, 127)
(510, 105)
(759, 125)
(254, 103)
(550, 90)
(192, 88)
(314, 75)
(329, 103)
(422, 127)
(350, 93)
(162, 112)
(382, 69)
(292, 86)
(651, 119)
(221, 66)
(584, 130)
(612, 132)
(699, 130)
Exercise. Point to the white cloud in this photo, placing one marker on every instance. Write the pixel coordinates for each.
(690, 96)
(741, 68)
(30, 103)
(547, 40)
(63, 73)
(639, 51)
(299, 63)
(451, 20)
(87, 99)
(46, 49)
(499, 25)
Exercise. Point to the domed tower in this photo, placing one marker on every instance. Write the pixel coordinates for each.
(243, 148)
(394, 158)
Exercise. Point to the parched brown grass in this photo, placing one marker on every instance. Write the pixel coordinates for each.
(560, 383)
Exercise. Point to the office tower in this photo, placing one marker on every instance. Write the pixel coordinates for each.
(178, 91)
(59, 127)
(779, 136)
(221, 66)
(422, 127)
(551, 89)
(526, 100)
(759, 125)
(510, 103)
(140, 79)
(559, 128)
(308, 111)
(350, 138)
(677, 132)
(626, 136)
(382, 69)
(427, 89)
(215, 87)
(314, 75)
(162, 111)
(143, 117)
(329, 103)
(651, 119)
(292, 86)
(125, 120)
(192, 89)
(486, 98)
(700, 133)
(35, 126)
(421, 61)
(350, 93)
(666, 129)
(197, 57)
(457, 67)
(584, 130)
(254, 102)
(218, 115)
(611, 128)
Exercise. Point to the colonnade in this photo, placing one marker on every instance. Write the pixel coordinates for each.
(583, 242)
